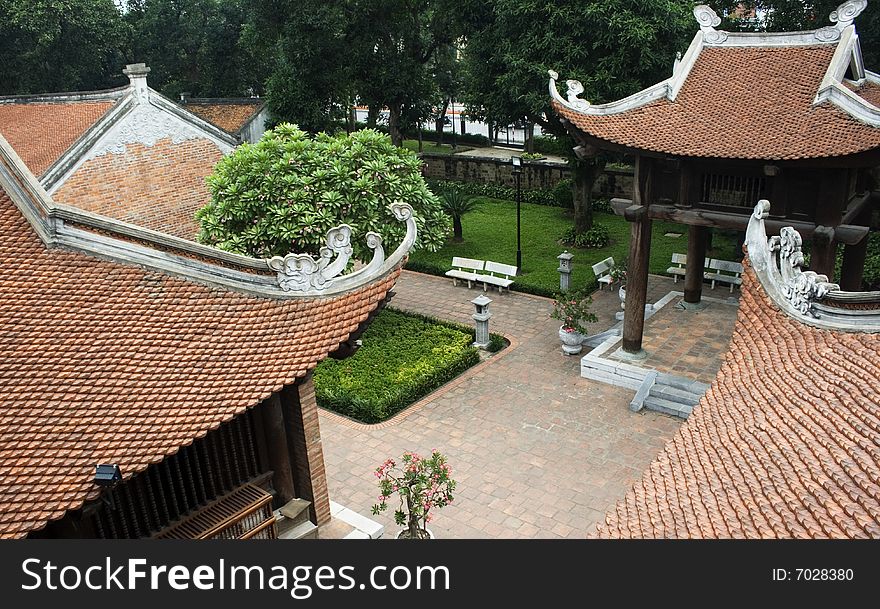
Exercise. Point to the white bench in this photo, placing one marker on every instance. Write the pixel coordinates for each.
(680, 268)
(724, 271)
(601, 270)
(466, 269)
(500, 275)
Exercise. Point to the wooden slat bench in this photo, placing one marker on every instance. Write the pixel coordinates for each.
(500, 275)
(466, 269)
(724, 271)
(601, 270)
(678, 271)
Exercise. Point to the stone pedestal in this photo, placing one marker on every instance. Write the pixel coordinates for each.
(481, 317)
(564, 270)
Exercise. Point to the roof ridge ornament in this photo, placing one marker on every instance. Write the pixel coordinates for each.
(302, 273)
(843, 17)
(708, 19)
(778, 262)
(575, 88)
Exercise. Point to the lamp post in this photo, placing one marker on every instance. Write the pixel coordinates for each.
(517, 172)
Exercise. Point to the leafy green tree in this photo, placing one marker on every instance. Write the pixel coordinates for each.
(614, 47)
(794, 15)
(195, 46)
(284, 193)
(60, 45)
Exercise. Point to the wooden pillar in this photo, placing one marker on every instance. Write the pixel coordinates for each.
(854, 257)
(696, 262)
(277, 449)
(304, 438)
(639, 255)
(831, 200)
(636, 278)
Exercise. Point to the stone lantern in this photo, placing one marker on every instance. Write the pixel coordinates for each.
(564, 270)
(481, 316)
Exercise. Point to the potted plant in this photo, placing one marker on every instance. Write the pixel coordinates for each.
(573, 309)
(421, 484)
(618, 275)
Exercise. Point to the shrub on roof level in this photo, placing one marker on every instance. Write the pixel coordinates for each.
(284, 193)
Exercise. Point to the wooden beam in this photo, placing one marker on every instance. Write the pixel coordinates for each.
(856, 205)
(844, 233)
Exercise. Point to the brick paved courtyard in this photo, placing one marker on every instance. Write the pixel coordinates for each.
(537, 450)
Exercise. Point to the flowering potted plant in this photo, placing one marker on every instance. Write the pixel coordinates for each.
(573, 309)
(422, 484)
(618, 273)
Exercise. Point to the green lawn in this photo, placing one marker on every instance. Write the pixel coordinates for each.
(490, 234)
(432, 147)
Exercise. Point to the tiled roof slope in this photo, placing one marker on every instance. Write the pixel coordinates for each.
(229, 116)
(102, 362)
(786, 442)
(869, 91)
(42, 132)
(740, 102)
(159, 187)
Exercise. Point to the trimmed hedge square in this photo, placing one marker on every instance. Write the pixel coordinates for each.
(403, 358)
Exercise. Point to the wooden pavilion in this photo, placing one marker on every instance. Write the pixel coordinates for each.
(792, 117)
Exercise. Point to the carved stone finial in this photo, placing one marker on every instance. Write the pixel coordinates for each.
(847, 12)
(575, 88)
(708, 21)
(302, 273)
(843, 16)
(778, 262)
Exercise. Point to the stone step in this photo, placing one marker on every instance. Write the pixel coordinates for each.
(667, 407)
(303, 530)
(673, 394)
(680, 382)
(296, 511)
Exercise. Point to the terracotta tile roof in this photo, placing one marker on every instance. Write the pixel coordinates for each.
(740, 102)
(42, 132)
(869, 91)
(102, 362)
(786, 442)
(229, 116)
(159, 187)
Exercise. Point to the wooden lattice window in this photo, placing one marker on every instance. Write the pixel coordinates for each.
(733, 190)
(245, 513)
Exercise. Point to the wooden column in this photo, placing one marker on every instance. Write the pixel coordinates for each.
(277, 449)
(854, 257)
(639, 254)
(304, 439)
(636, 278)
(696, 262)
(829, 210)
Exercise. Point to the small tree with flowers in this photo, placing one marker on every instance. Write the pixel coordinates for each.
(573, 309)
(421, 484)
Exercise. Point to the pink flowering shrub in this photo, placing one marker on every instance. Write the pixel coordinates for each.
(573, 309)
(421, 484)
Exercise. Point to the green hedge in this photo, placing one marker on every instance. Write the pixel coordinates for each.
(538, 196)
(403, 358)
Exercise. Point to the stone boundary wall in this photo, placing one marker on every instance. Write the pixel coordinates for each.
(536, 174)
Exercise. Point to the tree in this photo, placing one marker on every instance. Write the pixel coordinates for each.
(614, 47)
(457, 203)
(284, 193)
(60, 45)
(794, 15)
(310, 50)
(399, 42)
(195, 46)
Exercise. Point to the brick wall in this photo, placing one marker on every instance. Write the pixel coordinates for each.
(309, 473)
(158, 187)
(536, 175)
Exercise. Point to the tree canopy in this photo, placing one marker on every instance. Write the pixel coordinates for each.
(284, 193)
(60, 45)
